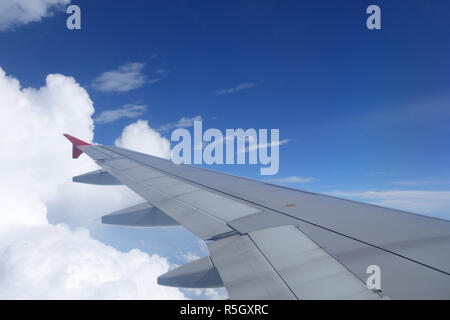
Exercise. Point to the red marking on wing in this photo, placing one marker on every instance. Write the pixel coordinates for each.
(76, 151)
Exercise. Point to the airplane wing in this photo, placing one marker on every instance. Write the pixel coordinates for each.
(271, 242)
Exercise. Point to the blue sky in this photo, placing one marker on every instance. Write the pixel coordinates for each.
(353, 102)
(364, 110)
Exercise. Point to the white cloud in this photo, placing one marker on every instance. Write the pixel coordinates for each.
(216, 294)
(433, 203)
(189, 257)
(126, 78)
(423, 182)
(140, 137)
(257, 146)
(19, 12)
(184, 122)
(292, 179)
(54, 262)
(239, 87)
(126, 111)
(39, 259)
(212, 294)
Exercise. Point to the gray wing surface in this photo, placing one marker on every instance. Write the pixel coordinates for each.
(271, 242)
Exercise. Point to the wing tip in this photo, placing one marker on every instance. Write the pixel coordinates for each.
(77, 143)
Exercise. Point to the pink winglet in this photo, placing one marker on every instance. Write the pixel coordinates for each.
(76, 151)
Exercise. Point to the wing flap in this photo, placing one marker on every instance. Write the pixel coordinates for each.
(306, 268)
(141, 215)
(98, 177)
(200, 273)
(245, 272)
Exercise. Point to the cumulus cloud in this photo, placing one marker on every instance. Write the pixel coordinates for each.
(139, 136)
(433, 203)
(184, 122)
(126, 111)
(239, 87)
(54, 262)
(19, 12)
(43, 260)
(125, 78)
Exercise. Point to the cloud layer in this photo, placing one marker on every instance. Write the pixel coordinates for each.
(292, 179)
(126, 111)
(19, 12)
(433, 203)
(184, 122)
(39, 259)
(125, 78)
(239, 87)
